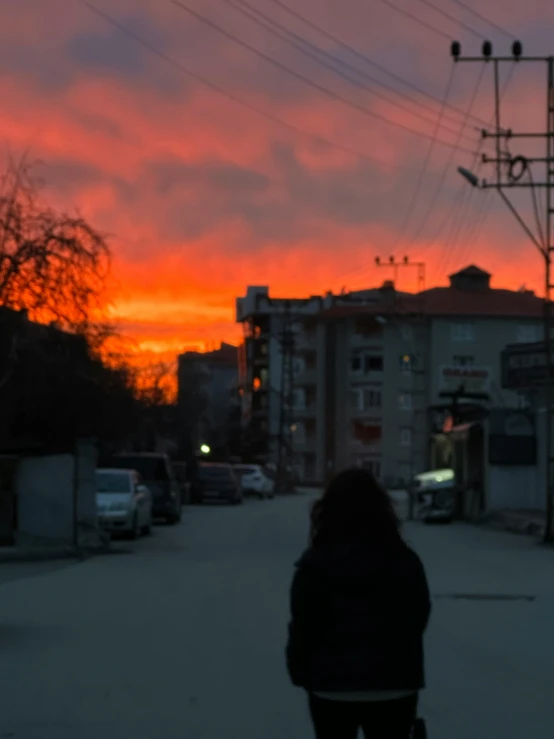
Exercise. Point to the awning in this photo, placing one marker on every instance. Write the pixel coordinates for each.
(456, 433)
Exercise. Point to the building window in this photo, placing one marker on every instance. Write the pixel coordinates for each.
(365, 363)
(405, 437)
(298, 399)
(356, 400)
(528, 333)
(406, 363)
(462, 331)
(464, 360)
(405, 402)
(371, 399)
(407, 332)
(373, 363)
(264, 378)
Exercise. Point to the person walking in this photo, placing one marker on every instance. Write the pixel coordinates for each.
(360, 605)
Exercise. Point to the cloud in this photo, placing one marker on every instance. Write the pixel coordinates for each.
(202, 195)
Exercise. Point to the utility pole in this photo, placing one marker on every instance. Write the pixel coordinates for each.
(284, 442)
(514, 172)
(391, 263)
(416, 388)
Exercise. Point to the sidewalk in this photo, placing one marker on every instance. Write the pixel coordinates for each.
(34, 549)
(36, 554)
(518, 521)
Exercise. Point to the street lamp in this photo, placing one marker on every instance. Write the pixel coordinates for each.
(205, 449)
(469, 176)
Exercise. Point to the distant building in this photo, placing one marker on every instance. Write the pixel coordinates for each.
(397, 367)
(270, 361)
(207, 394)
(376, 372)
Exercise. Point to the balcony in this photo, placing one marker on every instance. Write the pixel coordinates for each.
(307, 376)
(305, 342)
(304, 444)
(305, 410)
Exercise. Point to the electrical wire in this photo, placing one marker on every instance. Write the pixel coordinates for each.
(235, 98)
(426, 161)
(413, 17)
(451, 18)
(536, 210)
(366, 59)
(448, 164)
(311, 83)
(483, 19)
(298, 42)
(458, 230)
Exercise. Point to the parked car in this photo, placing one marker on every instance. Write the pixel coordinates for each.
(255, 481)
(123, 502)
(157, 472)
(218, 482)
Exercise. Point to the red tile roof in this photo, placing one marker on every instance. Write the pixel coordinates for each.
(448, 301)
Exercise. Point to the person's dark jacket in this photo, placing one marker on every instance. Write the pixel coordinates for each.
(358, 616)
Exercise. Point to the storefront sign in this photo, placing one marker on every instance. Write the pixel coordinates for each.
(473, 379)
(524, 366)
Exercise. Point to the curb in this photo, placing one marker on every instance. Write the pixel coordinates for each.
(516, 526)
(15, 554)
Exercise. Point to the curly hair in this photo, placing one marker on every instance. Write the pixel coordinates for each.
(353, 504)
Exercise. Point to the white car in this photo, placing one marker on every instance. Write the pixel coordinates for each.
(255, 481)
(123, 502)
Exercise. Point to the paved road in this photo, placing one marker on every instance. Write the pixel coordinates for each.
(184, 637)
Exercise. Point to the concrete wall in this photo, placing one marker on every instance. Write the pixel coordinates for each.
(45, 496)
(44, 487)
(85, 475)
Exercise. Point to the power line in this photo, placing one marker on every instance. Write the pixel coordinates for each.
(423, 170)
(368, 60)
(451, 18)
(483, 19)
(298, 75)
(413, 17)
(459, 224)
(234, 98)
(449, 161)
(298, 42)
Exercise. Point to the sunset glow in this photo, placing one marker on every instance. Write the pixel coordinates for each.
(202, 196)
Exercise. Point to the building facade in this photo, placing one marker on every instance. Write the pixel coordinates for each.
(207, 394)
(376, 373)
(402, 365)
(277, 375)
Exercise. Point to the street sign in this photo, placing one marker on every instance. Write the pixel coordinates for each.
(474, 379)
(524, 366)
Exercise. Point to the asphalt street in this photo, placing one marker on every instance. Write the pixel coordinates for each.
(183, 635)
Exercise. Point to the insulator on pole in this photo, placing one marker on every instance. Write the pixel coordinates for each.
(487, 49)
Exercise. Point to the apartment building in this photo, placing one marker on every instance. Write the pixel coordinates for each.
(391, 369)
(277, 372)
(281, 374)
(375, 372)
(207, 386)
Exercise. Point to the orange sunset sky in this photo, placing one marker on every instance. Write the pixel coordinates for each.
(203, 195)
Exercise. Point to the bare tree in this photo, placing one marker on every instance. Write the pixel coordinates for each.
(52, 264)
(155, 383)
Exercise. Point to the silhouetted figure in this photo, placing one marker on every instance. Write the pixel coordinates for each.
(359, 605)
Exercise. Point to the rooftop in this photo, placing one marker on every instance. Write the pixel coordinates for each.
(469, 294)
